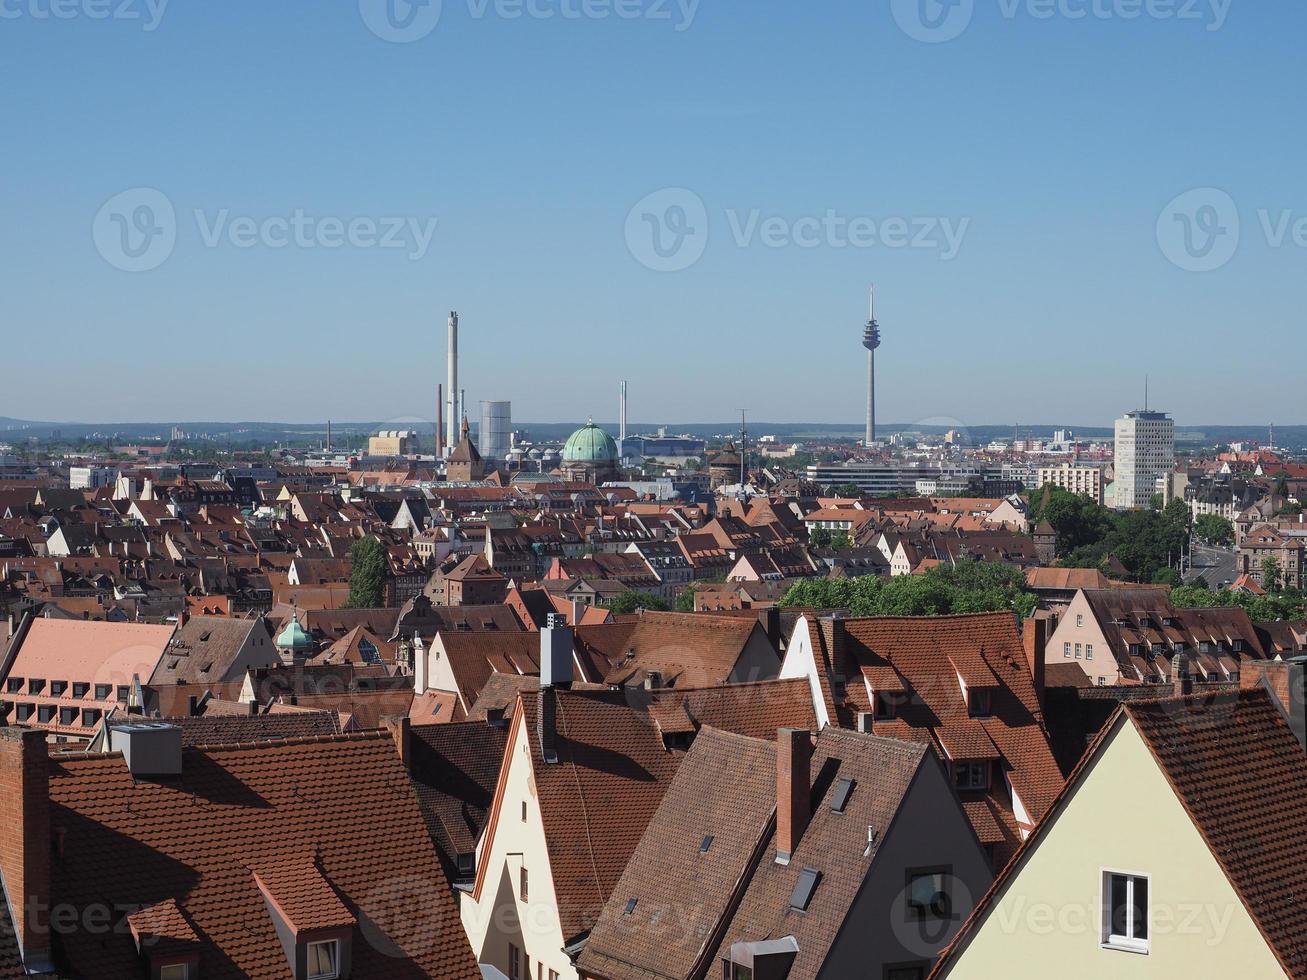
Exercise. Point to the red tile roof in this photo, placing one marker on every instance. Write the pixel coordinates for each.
(201, 838)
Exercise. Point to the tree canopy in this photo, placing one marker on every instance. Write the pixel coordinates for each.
(367, 579)
(970, 586)
(631, 600)
(1282, 605)
(1214, 529)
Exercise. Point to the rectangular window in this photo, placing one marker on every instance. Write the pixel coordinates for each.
(1125, 911)
(57, 688)
(35, 685)
(514, 962)
(324, 960)
(123, 691)
(1089, 651)
(971, 775)
(175, 971)
(67, 716)
(1066, 650)
(979, 702)
(14, 685)
(1080, 619)
(803, 889)
(102, 691)
(90, 717)
(522, 892)
(45, 714)
(79, 691)
(886, 706)
(928, 896)
(1077, 651)
(24, 712)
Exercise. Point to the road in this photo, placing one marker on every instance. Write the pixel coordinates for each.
(1216, 565)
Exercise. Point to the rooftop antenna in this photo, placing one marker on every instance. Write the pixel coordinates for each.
(1145, 392)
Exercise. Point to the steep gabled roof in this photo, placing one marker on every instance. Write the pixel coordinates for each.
(342, 803)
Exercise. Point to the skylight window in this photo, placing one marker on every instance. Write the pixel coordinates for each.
(630, 906)
(803, 889)
(843, 789)
(706, 843)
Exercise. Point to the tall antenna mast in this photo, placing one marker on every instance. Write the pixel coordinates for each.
(871, 340)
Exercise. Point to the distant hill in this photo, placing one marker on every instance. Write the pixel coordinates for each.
(19, 430)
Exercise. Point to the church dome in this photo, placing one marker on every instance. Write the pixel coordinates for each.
(293, 637)
(590, 444)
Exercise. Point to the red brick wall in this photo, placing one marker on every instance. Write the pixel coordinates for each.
(793, 788)
(25, 836)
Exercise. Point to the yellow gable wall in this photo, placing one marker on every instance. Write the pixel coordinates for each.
(1124, 817)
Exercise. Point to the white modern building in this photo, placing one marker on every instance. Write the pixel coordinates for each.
(495, 437)
(1145, 452)
(1084, 480)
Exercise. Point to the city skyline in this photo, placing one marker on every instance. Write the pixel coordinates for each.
(1048, 263)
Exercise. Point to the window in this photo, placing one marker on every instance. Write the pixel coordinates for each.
(175, 971)
(886, 706)
(25, 712)
(1080, 619)
(1125, 911)
(979, 702)
(45, 713)
(803, 889)
(67, 716)
(735, 971)
(1089, 651)
(928, 896)
(58, 687)
(90, 716)
(14, 685)
(79, 691)
(35, 685)
(524, 811)
(705, 844)
(1077, 651)
(843, 790)
(323, 960)
(971, 775)
(514, 962)
(102, 691)
(123, 691)
(467, 864)
(522, 891)
(1066, 650)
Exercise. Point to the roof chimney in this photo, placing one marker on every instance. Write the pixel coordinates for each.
(793, 790)
(401, 730)
(151, 749)
(1034, 635)
(1182, 682)
(25, 841)
(555, 653)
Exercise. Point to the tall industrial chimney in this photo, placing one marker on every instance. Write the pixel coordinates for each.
(440, 420)
(451, 426)
(621, 421)
(871, 340)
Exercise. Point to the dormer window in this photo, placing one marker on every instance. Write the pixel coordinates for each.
(979, 702)
(885, 706)
(323, 960)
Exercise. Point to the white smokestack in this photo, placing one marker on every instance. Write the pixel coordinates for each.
(621, 422)
(451, 429)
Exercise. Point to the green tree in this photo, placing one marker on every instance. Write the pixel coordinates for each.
(968, 586)
(848, 490)
(820, 537)
(630, 601)
(1167, 576)
(1271, 574)
(367, 580)
(1214, 529)
(840, 540)
(685, 600)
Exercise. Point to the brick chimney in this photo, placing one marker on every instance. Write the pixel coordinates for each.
(25, 840)
(793, 790)
(1182, 682)
(1034, 636)
(401, 730)
(832, 631)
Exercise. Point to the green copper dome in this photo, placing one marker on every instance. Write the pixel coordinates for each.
(590, 444)
(293, 637)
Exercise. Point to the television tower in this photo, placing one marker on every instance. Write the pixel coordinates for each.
(871, 340)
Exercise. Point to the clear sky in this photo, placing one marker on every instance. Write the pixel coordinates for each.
(1009, 190)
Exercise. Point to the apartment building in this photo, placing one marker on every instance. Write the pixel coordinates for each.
(1145, 452)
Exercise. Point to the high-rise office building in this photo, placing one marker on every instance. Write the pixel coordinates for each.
(1145, 451)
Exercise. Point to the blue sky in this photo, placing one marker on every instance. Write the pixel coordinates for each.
(1050, 146)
